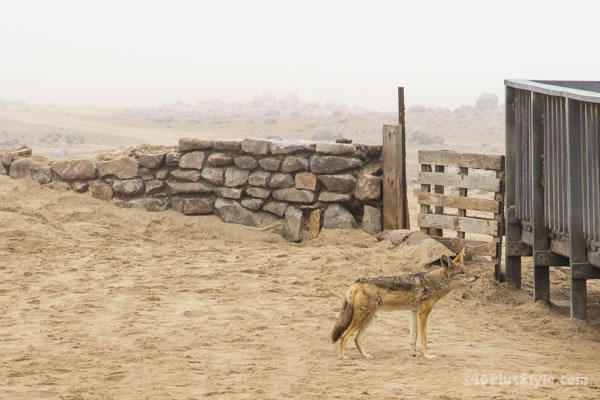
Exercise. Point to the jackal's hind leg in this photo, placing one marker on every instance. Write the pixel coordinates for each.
(423, 314)
(361, 331)
(414, 333)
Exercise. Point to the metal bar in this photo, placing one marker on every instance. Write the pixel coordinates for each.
(577, 247)
(565, 176)
(554, 90)
(595, 190)
(546, 163)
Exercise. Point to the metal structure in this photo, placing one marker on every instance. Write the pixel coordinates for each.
(553, 183)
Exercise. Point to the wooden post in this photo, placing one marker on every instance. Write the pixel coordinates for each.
(437, 209)
(462, 192)
(577, 244)
(395, 200)
(541, 273)
(513, 227)
(499, 216)
(402, 123)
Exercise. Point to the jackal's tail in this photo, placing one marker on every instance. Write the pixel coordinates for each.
(343, 320)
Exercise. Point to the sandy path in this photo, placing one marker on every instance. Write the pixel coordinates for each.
(98, 302)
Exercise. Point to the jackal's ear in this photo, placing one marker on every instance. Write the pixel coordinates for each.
(446, 262)
(459, 256)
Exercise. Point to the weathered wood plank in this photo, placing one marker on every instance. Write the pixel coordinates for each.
(465, 160)
(518, 249)
(439, 189)
(462, 181)
(463, 224)
(395, 210)
(462, 212)
(472, 247)
(466, 203)
(425, 209)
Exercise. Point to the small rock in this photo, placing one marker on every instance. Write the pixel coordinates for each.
(145, 174)
(295, 195)
(332, 197)
(270, 164)
(236, 177)
(188, 188)
(252, 204)
(259, 178)
(335, 148)
(154, 186)
(338, 217)
(102, 191)
(232, 211)
(293, 164)
(293, 225)
(368, 187)
(290, 147)
(151, 160)
(189, 144)
(372, 220)
(60, 186)
(256, 147)
(276, 207)
(155, 205)
(190, 175)
(122, 168)
(214, 175)
(314, 223)
(80, 187)
(172, 159)
(246, 162)
(306, 180)
(128, 187)
(332, 164)
(194, 159)
(258, 192)
(343, 140)
(230, 193)
(232, 145)
(219, 159)
(162, 174)
(192, 206)
(338, 183)
(281, 181)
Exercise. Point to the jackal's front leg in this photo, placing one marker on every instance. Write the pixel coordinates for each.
(414, 333)
(423, 314)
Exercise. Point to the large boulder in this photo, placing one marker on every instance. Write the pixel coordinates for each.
(232, 211)
(290, 147)
(294, 163)
(372, 220)
(190, 175)
(151, 160)
(368, 187)
(122, 168)
(75, 169)
(270, 164)
(338, 217)
(214, 175)
(279, 181)
(26, 168)
(128, 187)
(194, 159)
(276, 207)
(295, 195)
(192, 206)
(189, 144)
(338, 183)
(246, 162)
(236, 176)
(219, 159)
(256, 146)
(293, 225)
(188, 188)
(259, 178)
(333, 164)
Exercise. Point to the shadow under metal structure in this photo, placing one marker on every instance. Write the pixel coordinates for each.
(553, 183)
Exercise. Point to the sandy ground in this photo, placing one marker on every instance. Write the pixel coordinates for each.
(98, 302)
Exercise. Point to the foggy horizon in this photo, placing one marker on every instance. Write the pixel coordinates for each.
(150, 53)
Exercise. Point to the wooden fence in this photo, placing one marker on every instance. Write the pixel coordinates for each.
(471, 174)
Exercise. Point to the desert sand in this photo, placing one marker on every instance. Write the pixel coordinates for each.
(98, 302)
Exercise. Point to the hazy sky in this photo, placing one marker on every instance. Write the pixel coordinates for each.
(353, 52)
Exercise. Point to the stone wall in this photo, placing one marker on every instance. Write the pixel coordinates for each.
(251, 182)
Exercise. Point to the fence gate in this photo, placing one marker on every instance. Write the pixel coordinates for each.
(466, 198)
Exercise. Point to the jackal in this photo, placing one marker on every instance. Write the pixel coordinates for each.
(415, 292)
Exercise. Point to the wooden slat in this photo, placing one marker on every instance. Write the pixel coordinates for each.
(463, 224)
(467, 203)
(439, 189)
(425, 209)
(465, 160)
(395, 209)
(472, 247)
(462, 181)
(462, 212)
